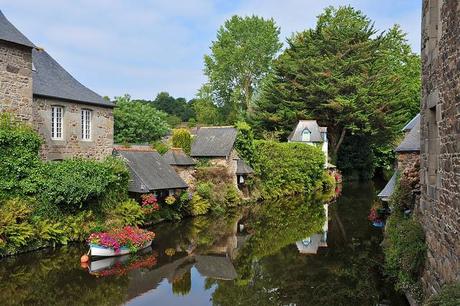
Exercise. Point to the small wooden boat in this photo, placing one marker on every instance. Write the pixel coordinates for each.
(97, 250)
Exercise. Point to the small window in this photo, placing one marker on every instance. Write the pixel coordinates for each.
(306, 135)
(57, 113)
(86, 124)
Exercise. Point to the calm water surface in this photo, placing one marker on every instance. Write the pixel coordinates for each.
(287, 252)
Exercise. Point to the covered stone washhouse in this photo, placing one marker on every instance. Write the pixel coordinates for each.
(73, 120)
(150, 173)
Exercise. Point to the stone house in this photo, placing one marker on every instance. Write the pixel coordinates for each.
(217, 145)
(150, 173)
(309, 132)
(72, 119)
(407, 153)
(439, 208)
(183, 164)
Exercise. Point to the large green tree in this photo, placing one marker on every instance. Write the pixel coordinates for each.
(347, 75)
(137, 122)
(240, 58)
(178, 107)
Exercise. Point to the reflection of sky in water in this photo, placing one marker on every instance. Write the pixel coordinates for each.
(162, 295)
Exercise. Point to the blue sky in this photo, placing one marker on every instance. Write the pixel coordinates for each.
(143, 47)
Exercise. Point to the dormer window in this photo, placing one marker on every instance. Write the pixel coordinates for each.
(306, 135)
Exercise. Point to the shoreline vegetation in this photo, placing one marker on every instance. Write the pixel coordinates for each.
(48, 204)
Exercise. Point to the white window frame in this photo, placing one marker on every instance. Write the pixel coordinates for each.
(306, 132)
(57, 122)
(86, 127)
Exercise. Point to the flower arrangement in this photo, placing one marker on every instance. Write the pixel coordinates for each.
(374, 215)
(170, 200)
(133, 238)
(149, 203)
(123, 269)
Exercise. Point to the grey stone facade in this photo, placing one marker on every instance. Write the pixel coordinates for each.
(16, 80)
(72, 145)
(31, 82)
(439, 209)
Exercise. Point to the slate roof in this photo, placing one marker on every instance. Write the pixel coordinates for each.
(177, 157)
(411, 142)
(411, 123)
(243, 168)
(51, 80)
(8, 32)
(150, 172)
(312, 126)
(389, 188)
(213, 142)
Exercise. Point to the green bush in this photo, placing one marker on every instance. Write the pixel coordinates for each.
(204, 189)
(327, 182)
(128, 212)
(287, 168)
(19, 157)
(198, 205)
(244, 143)
(15, 228)
(74, 185)
(405, 251)
(160, 146)
(448, 296)
(181, 138)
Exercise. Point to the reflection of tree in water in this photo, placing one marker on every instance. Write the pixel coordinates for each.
(182, 285)
(56, 279)
(345, 273)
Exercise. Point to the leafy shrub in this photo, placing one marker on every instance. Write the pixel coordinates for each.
(170, 200)
(287, 168)
(19, 156)
(448, 296)
(405, 250)
(78, 227)
(204, 189)
(74, 185)
(198, 205)
(49, 231)
(327, 182)
(407, 187)
(160, 146)
(244, 143)
(232, 197)
(15, 228)
(128, 212)
(181, 138)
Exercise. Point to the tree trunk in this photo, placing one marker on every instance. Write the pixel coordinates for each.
(337, 146)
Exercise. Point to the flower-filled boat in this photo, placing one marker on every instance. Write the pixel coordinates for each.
(119, 241)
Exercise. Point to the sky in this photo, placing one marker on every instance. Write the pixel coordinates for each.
(144, 47)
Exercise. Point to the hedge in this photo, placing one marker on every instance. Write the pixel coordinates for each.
(181, 138)
(287, 168)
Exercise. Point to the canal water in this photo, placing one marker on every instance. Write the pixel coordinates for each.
(286, 252)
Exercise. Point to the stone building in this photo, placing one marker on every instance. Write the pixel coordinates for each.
(72, 119)
(217, 145)
(309, 132)
(407, 154)
(439, 208)
(182, 163)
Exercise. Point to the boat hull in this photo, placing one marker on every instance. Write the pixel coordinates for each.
(97, 250)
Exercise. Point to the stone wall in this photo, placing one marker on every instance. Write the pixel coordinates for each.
(72, 144)
(407, 158)
(16, 80)
(439, 208)
(187, 174)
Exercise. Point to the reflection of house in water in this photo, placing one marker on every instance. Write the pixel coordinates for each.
(311, 244)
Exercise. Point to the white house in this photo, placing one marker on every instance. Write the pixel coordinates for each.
(309, 132)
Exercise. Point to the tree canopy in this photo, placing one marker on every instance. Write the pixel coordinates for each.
(137, 122)
(350, 77)
(240, 58)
